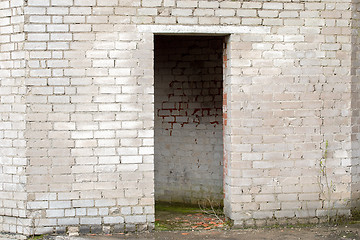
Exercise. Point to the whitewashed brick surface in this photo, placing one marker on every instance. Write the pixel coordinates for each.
(13, 117)
(77, 108)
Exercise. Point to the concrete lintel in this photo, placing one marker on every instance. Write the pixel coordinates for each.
(209, 30)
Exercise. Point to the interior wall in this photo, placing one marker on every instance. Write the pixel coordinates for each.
(188, 118)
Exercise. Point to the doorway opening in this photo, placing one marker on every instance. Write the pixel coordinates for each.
(188, 119)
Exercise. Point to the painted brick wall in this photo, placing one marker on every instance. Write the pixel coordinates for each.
(188, 119)
(290, 93)
(355, 103)
(12, 118)
(86, 75)
(90, 117)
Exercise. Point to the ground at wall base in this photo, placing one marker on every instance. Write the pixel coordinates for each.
(176, 217)
(350, 231)
(174, 221)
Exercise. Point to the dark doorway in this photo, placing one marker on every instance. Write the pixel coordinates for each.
(188, 119)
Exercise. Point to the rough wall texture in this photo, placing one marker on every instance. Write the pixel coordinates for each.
(88, 141)
(290, 93)
(355, 105)
(12, 116)
(188, 119)
(90, 116)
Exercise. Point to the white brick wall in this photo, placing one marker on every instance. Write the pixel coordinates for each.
(77, 112)
(12, 113)
(90, 89)
(354, 159)
(290, 111)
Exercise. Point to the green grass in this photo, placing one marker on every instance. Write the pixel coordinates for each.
(161, 226)
(37, 237)
(176, 208)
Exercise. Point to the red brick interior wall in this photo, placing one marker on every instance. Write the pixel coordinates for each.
(188, 118)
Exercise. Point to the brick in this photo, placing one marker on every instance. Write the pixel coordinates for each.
(54, 213)
(269, 5)
(59, 204)
(37, 3)
(112, 220)
(104, 203)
